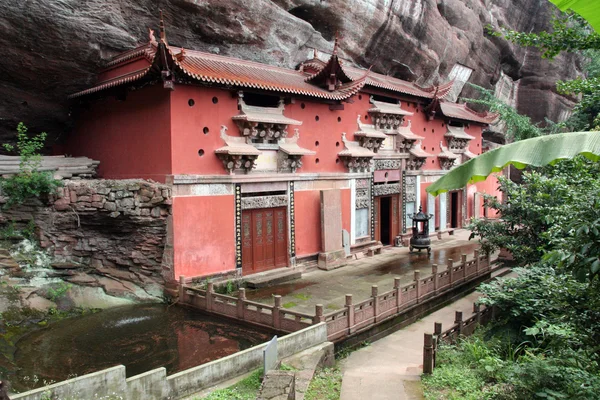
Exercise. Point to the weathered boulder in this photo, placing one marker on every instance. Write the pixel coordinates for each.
(54, 48)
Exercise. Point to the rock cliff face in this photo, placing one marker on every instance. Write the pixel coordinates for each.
(54, 48)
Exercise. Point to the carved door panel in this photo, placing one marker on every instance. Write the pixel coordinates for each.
(269, 239)
(395, 217)
(376, 214)
(247, 258)
(264, 239)
(258, 240)
(280, 228)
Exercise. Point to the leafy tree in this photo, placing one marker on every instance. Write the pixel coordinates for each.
(30, 182)
(517, 126)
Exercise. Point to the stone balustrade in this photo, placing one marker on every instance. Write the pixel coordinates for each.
(355, 317)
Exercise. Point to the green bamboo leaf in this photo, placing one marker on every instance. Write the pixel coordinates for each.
(536, 152)
(590, 10)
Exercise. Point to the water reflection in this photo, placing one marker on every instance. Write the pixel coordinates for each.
(139, 337)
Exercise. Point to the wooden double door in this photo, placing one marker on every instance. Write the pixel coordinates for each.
(264, 239)
(386, 218)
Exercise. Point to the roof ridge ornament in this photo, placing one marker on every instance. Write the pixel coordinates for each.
(163, 34)
(151, 37)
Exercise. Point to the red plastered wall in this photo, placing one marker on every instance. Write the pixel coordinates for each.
(130, 138)
(203, 235)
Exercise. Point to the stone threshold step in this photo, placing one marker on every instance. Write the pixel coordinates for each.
(273, 277)
(499, 272)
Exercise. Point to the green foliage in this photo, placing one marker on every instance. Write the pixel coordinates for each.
(325, 385)
(569, 33)
(58, 291)
(478, 368)
(554, 213)
(246, 389)
(29, 182)
(518, 127)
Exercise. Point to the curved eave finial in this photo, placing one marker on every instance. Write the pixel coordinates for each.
(336, 44)
(163, 34)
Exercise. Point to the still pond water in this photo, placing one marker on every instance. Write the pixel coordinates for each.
(141, 337)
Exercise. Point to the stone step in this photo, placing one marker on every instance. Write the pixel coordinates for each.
(270, 278)
(500, 271)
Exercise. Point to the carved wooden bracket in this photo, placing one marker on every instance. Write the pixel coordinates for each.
(446, 157)
(262, 124)
(236, 154)
(355, 157)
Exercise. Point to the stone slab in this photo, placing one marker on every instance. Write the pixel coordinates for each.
(331, 220)
(272, 278)
(332, 260)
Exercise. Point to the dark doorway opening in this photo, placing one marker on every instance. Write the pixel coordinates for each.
(454, 210)
(385, 221)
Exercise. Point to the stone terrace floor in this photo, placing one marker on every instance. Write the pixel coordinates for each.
(330, 287)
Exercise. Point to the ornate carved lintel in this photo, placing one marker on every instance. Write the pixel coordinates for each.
(387, 164)
(387, 189)
(249, 203)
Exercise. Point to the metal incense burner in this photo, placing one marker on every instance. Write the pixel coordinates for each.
(420, 231)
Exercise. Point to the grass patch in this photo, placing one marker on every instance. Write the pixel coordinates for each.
(302, 296)
(289, 304)
(246, 389)
(325, 385)
(332, 306)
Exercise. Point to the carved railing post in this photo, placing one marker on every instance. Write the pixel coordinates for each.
(240, 303)
(418, 284)
(477, 311)
(318, 314)
(181, 289)
(428, 354)
(276, 314)
(210, 289)
(350, 312)
(374, 295)
(489, 260)
(437, 332)
(451, 271)
(436, 278)
(437, 328)
(398, 293)
(458, 320)
(477, 261)
(463, 261)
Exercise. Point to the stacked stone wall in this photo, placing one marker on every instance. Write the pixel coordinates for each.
(108, 233)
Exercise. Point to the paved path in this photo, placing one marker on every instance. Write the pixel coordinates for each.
(329, 288)
(390, 368)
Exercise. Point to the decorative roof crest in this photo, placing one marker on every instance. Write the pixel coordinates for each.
(163, 34)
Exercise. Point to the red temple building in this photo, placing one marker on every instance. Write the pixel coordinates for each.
(269, 165)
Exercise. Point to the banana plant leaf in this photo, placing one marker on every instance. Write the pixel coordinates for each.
(538, 151)
(588, 9)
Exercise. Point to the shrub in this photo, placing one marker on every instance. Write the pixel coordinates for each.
(30, 182)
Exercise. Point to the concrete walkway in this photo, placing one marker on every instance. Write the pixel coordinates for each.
(390, 368)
